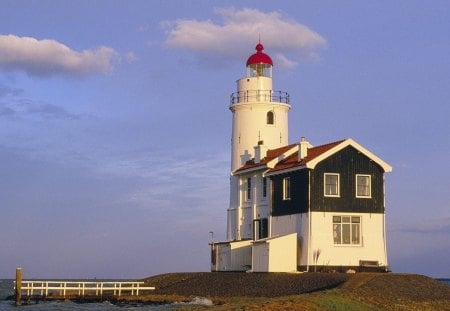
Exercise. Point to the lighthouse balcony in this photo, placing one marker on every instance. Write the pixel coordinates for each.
(265, 96)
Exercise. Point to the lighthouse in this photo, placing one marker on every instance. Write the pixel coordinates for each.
(259, 123)
(291, 203)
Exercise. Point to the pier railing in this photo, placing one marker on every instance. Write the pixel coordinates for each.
(65, 289)
(61, 289)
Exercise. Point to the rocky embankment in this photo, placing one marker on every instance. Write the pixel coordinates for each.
(234, 284)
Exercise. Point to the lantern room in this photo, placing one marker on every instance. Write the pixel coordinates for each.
(259, 64)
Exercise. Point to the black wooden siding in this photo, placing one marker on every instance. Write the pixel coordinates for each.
(298, 202)
(347, 163)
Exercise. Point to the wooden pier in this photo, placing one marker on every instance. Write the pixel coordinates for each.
(26, 290)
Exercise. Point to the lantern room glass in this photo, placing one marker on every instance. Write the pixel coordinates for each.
(259, 70)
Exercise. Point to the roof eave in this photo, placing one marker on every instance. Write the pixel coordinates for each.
(249, 170)
(284, 171)
(349, 142)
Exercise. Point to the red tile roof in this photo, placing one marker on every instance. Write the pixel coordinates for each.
(314, 152)
(291, 161)
(271, 154)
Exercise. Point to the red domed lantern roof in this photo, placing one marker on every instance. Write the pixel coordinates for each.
(259, 57)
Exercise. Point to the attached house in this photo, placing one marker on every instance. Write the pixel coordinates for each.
(310, 209)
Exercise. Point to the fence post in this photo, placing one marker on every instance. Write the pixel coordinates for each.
(18, 286)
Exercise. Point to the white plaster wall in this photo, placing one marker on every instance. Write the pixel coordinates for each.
(275, 254)
(246, 223)
(231, 224)
(234, 191)
(223, 257)
(372, 240)
(303, 237)
(243, 212)
(262, 211)
(282, 225)
(241, 255)
(260, 258)
(254, 83)
(283, 254)
(233, 256)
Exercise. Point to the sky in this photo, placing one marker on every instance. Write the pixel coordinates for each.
(115, 128)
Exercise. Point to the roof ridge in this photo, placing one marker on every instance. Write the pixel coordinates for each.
(332, 143)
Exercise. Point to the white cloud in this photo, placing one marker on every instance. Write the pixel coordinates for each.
(284, 62)
(280, 35)
(49, 57)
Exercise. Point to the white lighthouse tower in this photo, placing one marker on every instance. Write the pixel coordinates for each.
(260, 122)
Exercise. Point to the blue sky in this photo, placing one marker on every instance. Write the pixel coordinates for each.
(115, 128)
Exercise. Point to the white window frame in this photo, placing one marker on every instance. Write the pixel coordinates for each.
(338, 194)
(370, 186)
(351, 223)
(286, 188)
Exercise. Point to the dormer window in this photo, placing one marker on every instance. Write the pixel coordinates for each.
(270, 118)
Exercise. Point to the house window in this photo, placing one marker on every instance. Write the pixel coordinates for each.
(249, 189)
(363, 186)
(264, 187)
(347, 230)
(331, 185)
(270, 117)
(286, 188)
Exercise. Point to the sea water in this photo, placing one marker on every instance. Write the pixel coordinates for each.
(445, 281)
(6, 290)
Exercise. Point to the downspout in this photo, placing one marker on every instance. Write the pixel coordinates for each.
(309, 220)
(384, 223)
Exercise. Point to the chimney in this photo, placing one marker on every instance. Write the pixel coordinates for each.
(303, 149)
(260, 152)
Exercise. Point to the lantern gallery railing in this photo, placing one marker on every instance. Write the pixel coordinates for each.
(259, 96)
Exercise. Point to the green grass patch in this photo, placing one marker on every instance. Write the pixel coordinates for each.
(335, 302)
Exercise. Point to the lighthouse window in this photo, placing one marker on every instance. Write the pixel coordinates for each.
(363, 186)
(347, 230)
(331, 185)
(270, 117)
